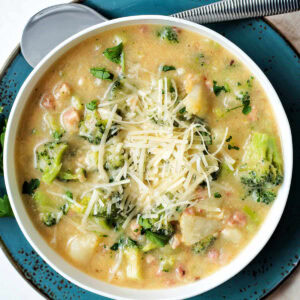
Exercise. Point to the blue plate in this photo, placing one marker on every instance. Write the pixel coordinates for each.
(281, 64)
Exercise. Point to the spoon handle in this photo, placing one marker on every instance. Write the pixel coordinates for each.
(238, 9)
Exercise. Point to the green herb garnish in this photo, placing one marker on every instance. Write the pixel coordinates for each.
(245, 99)
(218, 89)
(233, 147)
(166, 68)
(229, 139)
(102, 73)
(114, 54)
(29, 187)
(92, 105)
(217, 195)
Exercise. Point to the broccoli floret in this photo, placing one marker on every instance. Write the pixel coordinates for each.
(157, 236)
(263, 169)
(49, 219)
(109, 217)
(92, 127)
(124, 242)
(50, 214)
(202, 246)
(168, 33)
(49, 159)
(132, 254)
(114, 158)
(79, 175)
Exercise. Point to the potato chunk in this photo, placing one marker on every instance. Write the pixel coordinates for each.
(133, 269)
(195, 228)
(82, 246)
(233, 235)
(196, 101)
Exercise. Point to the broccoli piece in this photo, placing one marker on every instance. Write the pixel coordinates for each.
(124, 242)
(116, 87)
(132, 254)
(156, 236)
(112, 219)
(93, 127)
(49, 159)
(55, 129)
(263, 168)
(202, 246)
(168, 33)
(49, 213)
(79, 175)
(167, 263)
(107, 218)
(114, 158)
(159, 239)
(49, 219)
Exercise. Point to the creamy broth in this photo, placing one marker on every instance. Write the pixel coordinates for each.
(151, 164)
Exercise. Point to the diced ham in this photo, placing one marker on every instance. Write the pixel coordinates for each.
(190, 211)
(208, 84)
(150, 258)
(176, 29)
(144, 28)
(71, 119)
(135, 229)
(175, 241)
(238, 218)
(61, 91)
(48, 101)
(180, 272)
(201, 193)
(252, 116)
(213, 255)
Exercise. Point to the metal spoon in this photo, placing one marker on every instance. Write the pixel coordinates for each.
(52, 25)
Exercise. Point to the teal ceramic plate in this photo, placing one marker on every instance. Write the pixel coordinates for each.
(280, 63)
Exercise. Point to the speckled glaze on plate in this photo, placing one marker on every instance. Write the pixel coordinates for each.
(280, 63)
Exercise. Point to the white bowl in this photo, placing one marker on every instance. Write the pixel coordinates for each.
(102, 288)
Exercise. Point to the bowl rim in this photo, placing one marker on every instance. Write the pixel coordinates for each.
(73, 274)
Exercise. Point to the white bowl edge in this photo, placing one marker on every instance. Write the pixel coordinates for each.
(99, 287)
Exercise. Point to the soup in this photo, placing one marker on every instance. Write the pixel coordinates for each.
(148, 156)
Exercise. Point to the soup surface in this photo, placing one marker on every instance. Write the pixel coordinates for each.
(148, 156)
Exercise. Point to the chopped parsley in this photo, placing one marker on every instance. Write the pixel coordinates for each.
(245, 99)
(166, 68)
(91, 105)
(29, 187)
(114, 54)
(102, 73)
(233, 147)
(217, 195)
(229, 139)
(182, 110)
(250, 82)
(200, 58)
(218, 89)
